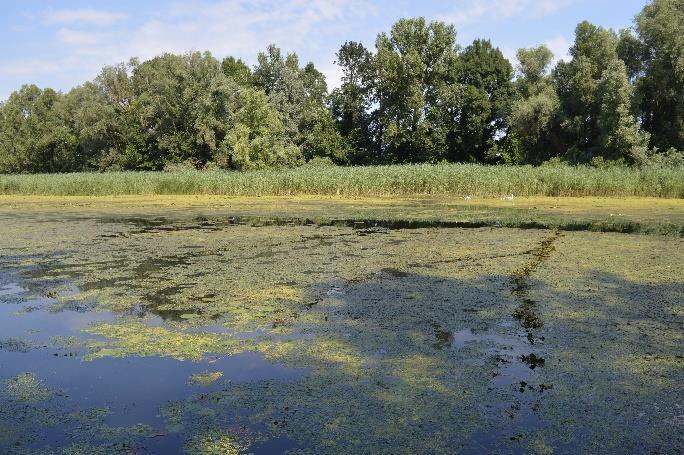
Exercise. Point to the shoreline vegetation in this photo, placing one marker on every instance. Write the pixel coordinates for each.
(454, 180)
(417, 96)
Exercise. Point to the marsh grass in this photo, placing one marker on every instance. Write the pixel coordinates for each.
(398, 180)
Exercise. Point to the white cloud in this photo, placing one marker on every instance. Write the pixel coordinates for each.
(333, 75)
(87, 39)
(28, 67)
(236, 27)
(477, 10)
(83, 16)
(560, 46)
(80, 39)
(510, 54)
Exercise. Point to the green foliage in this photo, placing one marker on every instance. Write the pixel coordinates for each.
(351, 103)
(185, 103)
(411, 64)
(300, 97)
(279, 77)
(533, 66)
(486, 74)
(34, 134)
(533, 120)
(237, 70)
(631, 51)
(577, 83)
(621, 138)
(661, 88)
(596, 98)
(508, 151)
(417, 97)
(555, 178)
(257, 139)
(536, 101)
(121, 142)
(320, 137)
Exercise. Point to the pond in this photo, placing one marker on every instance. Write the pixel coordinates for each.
(209, 333)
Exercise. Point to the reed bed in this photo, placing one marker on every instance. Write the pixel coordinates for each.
(399, 180)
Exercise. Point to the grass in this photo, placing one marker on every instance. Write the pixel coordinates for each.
(399, 180)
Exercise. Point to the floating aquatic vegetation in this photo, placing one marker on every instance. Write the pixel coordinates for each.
(214, 443)
(7, 435)
(134, 338)
(405, 342)
(15, 345)
(27, 388)
(178, 414)
(84, 448)
(66, 342)
(205, 378)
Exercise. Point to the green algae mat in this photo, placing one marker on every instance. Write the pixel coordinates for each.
(310, 326)
(627, 215)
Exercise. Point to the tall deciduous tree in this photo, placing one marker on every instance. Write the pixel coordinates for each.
(34, 134)
(577, 85)
(123, 135)
(351, 102)
(412, 64)
(661, 89)
(93, 122)
(300, 95)
(620, 137)
(418, 98)
(535, 109)
(486, 76)
(185, 103)
(257, 137)
(596, 101)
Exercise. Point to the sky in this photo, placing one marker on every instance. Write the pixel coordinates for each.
(61, 44)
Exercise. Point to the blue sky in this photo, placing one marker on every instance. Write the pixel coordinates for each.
(61, 44)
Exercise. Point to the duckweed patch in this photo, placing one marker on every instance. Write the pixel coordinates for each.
(135, 338)
(27, 388)
(205, 378)
(205, 213)
(422, 340)
(15, 345)
(214, 444)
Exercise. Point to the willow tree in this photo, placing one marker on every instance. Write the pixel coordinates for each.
(660, 90)
(535, 110)
(34, 133)
(300, 96)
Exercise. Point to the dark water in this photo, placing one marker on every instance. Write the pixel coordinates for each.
(133, 388)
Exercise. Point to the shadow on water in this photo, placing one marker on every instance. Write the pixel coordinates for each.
(520, 361)
(519, 407)
(404, 362)
(367, 226)
(362, 226)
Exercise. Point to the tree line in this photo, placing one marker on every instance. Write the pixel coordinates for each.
(416, 97)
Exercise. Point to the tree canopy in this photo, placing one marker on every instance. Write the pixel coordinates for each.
(416, 96)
